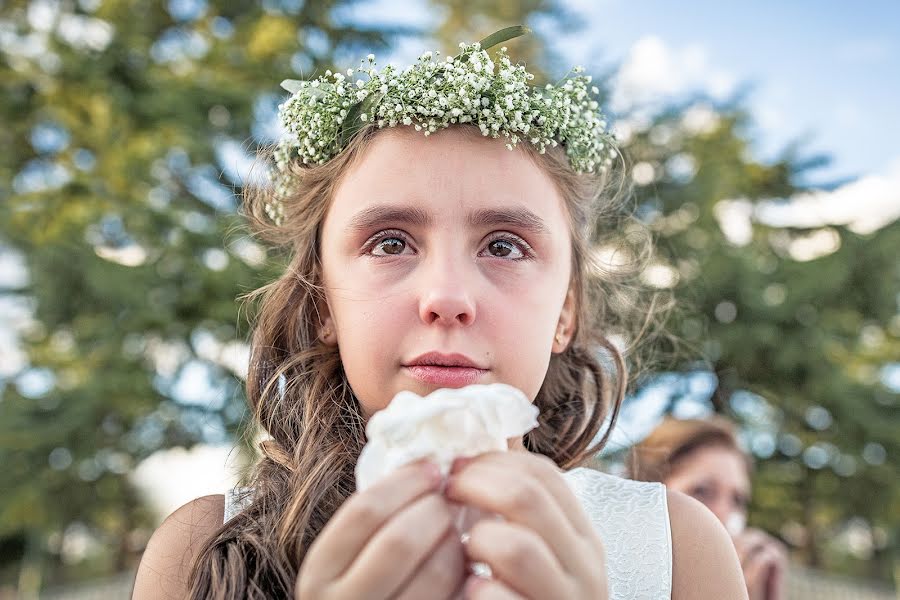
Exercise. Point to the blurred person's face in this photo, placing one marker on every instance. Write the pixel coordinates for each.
(716, 476)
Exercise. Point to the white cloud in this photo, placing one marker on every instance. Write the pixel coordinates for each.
(654, 73)
(864, 205)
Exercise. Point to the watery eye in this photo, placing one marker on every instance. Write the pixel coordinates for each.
(500, 248)
(391, 246)
(504, 249)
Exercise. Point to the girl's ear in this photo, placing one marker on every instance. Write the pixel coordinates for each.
(327, 330)
(565, 328)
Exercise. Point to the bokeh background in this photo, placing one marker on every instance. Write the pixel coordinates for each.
(763, 144)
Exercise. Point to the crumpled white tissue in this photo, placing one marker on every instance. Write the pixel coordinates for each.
(446, 424)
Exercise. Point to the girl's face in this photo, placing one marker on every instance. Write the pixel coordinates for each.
(716, 476)
(450, 245)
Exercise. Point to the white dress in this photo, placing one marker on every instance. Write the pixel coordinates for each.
(631, 517)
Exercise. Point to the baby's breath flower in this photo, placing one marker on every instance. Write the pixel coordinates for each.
(322, 114)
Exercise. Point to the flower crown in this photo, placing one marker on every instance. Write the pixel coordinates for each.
(323, 114)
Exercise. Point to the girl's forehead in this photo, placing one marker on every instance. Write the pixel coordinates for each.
(451, 172)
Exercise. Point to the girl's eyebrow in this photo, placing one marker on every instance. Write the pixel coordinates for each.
(517, 217)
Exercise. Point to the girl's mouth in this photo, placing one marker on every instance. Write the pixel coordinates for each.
(445, 376)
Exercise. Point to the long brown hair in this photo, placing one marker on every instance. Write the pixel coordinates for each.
(298, 393)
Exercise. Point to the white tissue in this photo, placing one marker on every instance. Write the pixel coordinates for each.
(445, 424)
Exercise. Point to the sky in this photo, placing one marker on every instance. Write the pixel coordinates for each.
(825, 74)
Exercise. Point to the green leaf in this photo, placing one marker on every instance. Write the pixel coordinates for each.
(292, 85)
(352, 123)
(503, 35)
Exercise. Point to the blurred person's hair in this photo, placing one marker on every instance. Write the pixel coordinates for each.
(674, 440)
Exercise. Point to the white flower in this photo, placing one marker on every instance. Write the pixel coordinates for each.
(439, 94)
(442, 426)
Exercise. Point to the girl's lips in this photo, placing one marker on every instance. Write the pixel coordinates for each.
(445, 376)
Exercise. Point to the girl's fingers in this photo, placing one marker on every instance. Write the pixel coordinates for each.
(362, 515)
(478, 588)
(443, 574)
(397, 550)
(519, 558)
(522, 500)
(549, 475)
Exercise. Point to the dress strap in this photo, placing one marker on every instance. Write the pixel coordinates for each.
(236, 500)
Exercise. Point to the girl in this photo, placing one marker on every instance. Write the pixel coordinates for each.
(426, 261)
(703, 459)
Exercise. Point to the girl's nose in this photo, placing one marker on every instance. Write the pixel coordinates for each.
(446, 295)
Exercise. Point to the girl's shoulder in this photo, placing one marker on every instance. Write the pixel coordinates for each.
(173, 547)
(706, 563)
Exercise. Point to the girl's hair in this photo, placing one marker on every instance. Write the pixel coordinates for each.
(674, 440)
(299, 395)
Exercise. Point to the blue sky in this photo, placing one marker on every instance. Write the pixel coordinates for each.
(829, 70)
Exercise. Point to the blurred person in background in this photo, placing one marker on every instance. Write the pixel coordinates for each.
(703, 459)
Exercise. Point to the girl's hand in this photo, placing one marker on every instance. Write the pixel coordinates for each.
(393, 540)
(545, 547)
(764, 562)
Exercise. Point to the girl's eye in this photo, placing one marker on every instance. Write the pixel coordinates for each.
(501, 248)
(509, 247)
(387, 243)
(391, 246)
(394, 243)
